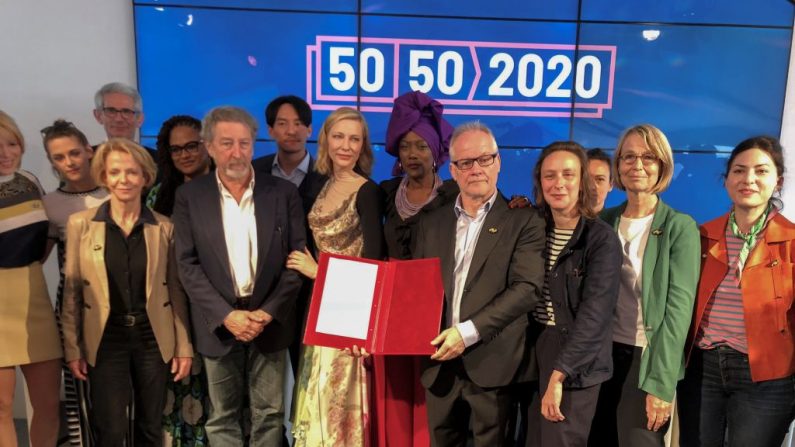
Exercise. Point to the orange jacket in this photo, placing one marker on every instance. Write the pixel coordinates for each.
(767, 291)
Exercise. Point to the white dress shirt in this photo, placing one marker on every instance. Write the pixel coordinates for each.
(240, 233)
(467, 231)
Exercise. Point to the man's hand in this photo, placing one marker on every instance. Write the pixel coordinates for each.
(79, 369)
(449, 345)
(658, 412)
(180, 367)
(245, 325)
(550, 403)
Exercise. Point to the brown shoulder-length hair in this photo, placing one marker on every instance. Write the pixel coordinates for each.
(584, 199)
(364, 164)
(138, 154)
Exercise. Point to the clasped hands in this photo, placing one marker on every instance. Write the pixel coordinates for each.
(246, 325)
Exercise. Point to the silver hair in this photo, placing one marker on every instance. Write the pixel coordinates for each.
(118, 87)
(227, 114)
(471, 126)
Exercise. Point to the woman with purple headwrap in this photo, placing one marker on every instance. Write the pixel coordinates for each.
(419, 137)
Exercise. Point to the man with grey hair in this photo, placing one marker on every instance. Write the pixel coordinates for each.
(234, 230)
(492, 272)
(118, 108)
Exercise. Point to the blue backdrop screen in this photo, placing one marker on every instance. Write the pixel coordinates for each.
(708, 73)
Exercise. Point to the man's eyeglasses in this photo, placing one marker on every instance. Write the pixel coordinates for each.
(112, 112)
(466, 164)
(190, 147)
(647, 159)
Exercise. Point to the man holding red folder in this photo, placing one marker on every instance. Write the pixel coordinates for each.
(492, 272)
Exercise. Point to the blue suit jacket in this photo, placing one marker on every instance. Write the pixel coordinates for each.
(204, 268)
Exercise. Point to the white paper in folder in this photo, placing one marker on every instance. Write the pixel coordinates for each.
(347, 298)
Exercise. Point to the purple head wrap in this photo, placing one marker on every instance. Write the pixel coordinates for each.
(418, 112)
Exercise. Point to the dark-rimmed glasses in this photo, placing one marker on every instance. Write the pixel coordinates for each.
(466, 164)
(190, 147)
(112, 112)
(647, 159)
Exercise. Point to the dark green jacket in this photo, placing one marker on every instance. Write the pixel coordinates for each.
(671, 265)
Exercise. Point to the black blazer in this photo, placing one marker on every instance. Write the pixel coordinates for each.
(583, 286)
(401, 234)
(204, 264)
(503, 284)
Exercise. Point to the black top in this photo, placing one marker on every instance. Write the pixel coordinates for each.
(400, 234)
(583, 286)
(125, 262)
(370, 207)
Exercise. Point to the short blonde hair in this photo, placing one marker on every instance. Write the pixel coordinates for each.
(364, 164)
(9, 125)
(658, 145)
(139, 154)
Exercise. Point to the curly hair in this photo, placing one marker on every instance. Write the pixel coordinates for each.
(170, 176)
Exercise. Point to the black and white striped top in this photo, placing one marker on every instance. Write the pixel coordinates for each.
(556, 240)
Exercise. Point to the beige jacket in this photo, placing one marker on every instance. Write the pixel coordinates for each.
(86, 300)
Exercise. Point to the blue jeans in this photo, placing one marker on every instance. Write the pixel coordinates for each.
(720, 405)
(243, 374)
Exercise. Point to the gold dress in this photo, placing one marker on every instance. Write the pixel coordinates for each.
(331, 401)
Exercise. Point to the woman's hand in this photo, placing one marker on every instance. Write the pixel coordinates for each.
(303, 263)
(357, 352)
(79, 369)
(180, 367)
(550, 403)
(658, 412)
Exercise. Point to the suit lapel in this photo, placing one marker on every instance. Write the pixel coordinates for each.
(97, 232)
(652, 250)
(447, 250)
(264, 200)
(211, 215)
(152, 238)
(487, 239)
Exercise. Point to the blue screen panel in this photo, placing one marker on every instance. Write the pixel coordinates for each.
(243, 58)
(514, 76)
(303, 5)
(739, 12)
(512, 9)
(707, 88)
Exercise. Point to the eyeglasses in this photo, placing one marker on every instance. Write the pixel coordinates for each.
(647, 159)
(112, 112)
(190, 147)
(466, 164)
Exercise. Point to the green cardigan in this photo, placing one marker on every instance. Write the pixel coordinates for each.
(671, 265)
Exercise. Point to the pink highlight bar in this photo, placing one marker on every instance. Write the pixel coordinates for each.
(581, 110)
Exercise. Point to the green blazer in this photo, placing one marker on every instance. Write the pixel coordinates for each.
(671, 265)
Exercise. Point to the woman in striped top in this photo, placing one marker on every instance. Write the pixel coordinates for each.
(739, 380)
(573, 321)
(28, 334)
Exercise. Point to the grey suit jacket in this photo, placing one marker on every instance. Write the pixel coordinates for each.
(503, 284)
(204, 268)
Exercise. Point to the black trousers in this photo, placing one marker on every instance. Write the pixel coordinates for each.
(455, 403)
(620, 418)
(128, 363)
(577, 404)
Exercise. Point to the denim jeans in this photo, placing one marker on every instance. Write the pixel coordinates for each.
(128, 356)
(720, 405)
(243, 374)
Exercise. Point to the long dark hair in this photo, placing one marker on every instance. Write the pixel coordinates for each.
(170, 176)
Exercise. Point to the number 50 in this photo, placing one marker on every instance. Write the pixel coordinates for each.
(343, 75)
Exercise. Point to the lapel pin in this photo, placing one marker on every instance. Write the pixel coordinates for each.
(97, 247)
(492, 230)
(657, 232)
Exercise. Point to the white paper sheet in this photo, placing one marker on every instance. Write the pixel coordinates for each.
(347, 298)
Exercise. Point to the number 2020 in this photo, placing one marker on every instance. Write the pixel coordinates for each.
(525, 73)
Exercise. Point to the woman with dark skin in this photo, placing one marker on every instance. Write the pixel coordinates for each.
(181, 156)
(419, 137)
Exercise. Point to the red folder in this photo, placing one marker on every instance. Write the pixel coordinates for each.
(387, 307)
